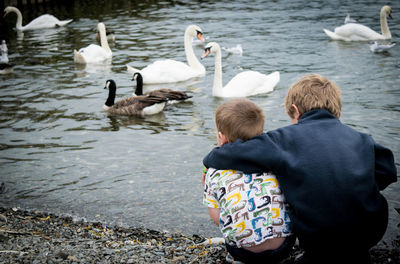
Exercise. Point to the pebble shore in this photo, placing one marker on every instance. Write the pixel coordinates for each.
(36, 237)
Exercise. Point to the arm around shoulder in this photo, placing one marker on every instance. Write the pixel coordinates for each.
(258, 154)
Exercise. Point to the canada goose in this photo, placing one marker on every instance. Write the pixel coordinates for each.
(172, 95)
(135, 105)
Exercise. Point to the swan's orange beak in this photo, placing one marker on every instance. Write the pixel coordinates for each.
(206, 52)
(5, 13)
(390, 15)
(200, 37)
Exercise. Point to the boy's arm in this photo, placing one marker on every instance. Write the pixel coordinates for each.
(214, 214)
(258, 154)
(385, 169)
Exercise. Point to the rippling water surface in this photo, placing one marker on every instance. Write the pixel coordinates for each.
(60, 152)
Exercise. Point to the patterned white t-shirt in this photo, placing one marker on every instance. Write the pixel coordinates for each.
(253, 208)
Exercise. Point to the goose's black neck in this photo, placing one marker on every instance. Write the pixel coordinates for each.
(139, 84)
(112, 87)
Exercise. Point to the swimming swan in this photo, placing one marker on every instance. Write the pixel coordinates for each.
(358, 32)
(95, 53)
(135, 105)
(172, 95)
(244, 84)
(43, 21)
(170, 71)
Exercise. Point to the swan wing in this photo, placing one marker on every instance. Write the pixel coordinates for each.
(249, 83)
(167, 71)
(333, 35)
(45, 21)
(357, 32)
(92, 54)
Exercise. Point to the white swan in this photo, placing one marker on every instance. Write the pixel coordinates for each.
(358, 32)
(43, 21)
(244, 84)
(95, 53)
(170, 71)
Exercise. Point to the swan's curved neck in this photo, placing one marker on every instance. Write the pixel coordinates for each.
(217, 87)
(19, 17)
(384, 26)
(190, 56)
(103, 40)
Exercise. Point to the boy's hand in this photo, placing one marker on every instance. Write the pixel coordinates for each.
(203, 176)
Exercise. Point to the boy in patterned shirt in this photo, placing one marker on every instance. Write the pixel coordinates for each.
(249, 209)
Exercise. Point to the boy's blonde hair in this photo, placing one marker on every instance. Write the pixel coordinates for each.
(239, 119)
(314, 91)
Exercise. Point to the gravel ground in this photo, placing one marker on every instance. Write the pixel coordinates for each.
(35, 237)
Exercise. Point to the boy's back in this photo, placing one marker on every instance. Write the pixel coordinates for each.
(331, 169)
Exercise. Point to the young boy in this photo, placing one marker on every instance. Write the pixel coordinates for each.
(249, 209)
(330, 174)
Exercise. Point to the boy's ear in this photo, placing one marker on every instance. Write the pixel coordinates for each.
(222, 139)
(296, 115)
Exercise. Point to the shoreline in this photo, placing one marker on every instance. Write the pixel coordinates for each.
(37, 237)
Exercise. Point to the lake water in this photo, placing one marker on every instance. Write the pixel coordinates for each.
(60, 152)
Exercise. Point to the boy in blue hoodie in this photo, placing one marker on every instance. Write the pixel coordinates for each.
(330, 174)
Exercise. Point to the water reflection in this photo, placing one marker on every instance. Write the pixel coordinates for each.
(155, 123)
(93, 68)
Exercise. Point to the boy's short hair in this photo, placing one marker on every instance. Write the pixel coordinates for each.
(239, 119)
(314, 91)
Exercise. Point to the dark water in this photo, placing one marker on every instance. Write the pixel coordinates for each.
(60, 152)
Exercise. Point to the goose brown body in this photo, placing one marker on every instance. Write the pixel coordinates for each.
(171, 95)
(135, 105)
